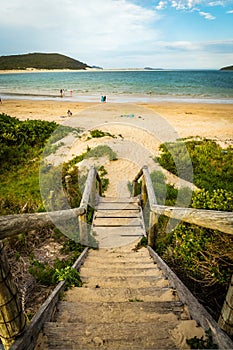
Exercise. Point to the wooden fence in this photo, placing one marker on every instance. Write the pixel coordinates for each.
(12, 319)
(216, 220)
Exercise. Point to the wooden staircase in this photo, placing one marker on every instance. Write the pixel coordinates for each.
(117, 221)
(125, 302)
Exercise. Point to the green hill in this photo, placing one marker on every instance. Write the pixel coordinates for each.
(227, 68)
(40, 61)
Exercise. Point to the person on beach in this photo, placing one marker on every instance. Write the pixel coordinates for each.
(61, 93)
(69, 113)
(0, 100)
(103, 98)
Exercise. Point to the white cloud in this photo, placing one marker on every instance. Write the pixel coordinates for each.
(216, 3)
(188, 5)
(161, 5)
(230, 11)
(207, 15)
(69, 26)
(179, 46)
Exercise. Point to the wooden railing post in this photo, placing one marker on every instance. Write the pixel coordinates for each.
(152, 230)
(88, 199)
(225, 321)
(68, 185)
(153, 221)
(135, 188)
(144, 192)
(12, 318)
(52, 200)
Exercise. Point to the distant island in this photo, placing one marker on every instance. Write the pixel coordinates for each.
(150, 68)
(40, 61)
(227, 68)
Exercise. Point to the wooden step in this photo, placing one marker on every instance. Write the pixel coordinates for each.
(117, 214)
(121, 336)
(118, 264)
(109, 312)
(120, 295)
(120, 253)
(111, 271)
(118, 199)
(111, 221)
(116, 206)
(109, 260)
(124, 282)
(110, 237)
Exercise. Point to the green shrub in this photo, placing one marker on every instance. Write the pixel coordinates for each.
(218, 199)
(99, 133)
(212, 166)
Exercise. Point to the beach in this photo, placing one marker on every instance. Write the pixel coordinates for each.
(138, 129)
(189, 119)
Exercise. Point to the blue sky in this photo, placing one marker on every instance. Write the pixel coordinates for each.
(122, 33)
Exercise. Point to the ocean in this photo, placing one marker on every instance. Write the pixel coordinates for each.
(207, 86)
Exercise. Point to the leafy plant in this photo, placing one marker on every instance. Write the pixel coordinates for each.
(61, 270)
(69, 274)
(99, 133)
(142, 243)
(203, 342)
(101, 151)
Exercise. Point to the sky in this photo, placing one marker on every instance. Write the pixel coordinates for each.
(169, 34)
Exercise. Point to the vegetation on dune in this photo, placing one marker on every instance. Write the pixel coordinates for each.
(33, 256)
(21, 147)
(22, 144)
(202, 257)
(40, 61)
(210, 164)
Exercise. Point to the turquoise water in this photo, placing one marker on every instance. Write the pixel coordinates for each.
(121, 86)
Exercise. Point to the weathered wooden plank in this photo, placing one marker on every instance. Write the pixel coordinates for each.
(120, 336)
(197, 311)
(89, 190)
(112, 271)
(136, 312)
(217, 220)
(119, 200)
(226, 318)
(149, 186)
(15, 224)
(117, 206)
(12, 318)
(122, 294)
(28, 339)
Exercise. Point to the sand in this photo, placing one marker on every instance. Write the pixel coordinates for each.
(138, 129)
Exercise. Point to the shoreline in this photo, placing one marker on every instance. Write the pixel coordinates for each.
(71, 96)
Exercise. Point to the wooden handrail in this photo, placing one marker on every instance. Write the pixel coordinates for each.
(88, 200)
(28, 339)
(11, 225)
(213, 219)
(89, 192)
